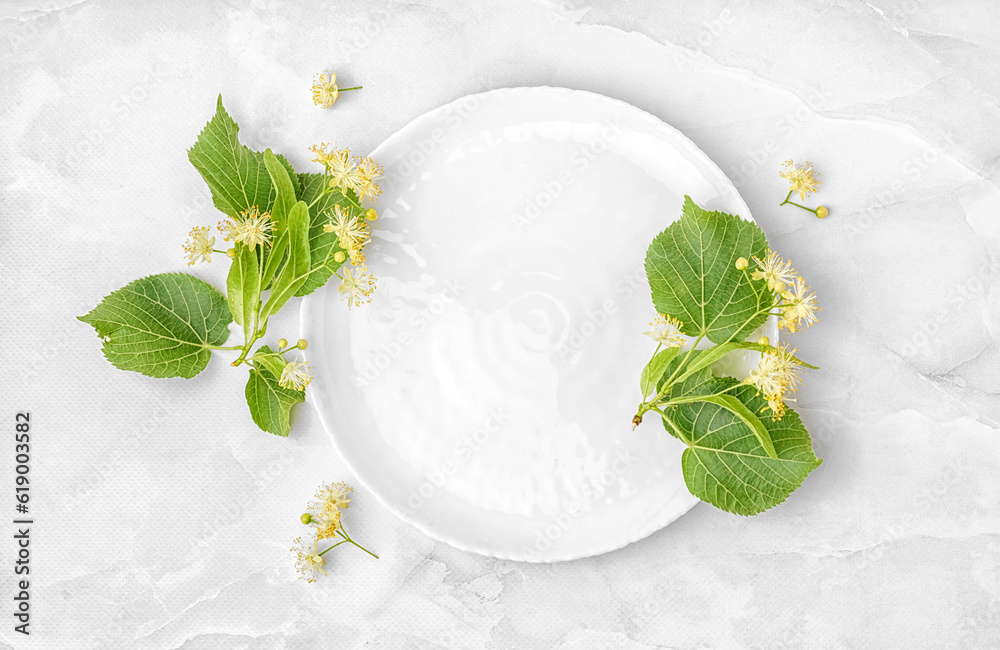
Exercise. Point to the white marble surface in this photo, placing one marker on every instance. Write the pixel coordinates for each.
(164, 517)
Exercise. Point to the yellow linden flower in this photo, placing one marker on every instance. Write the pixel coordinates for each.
(199, 247)
(803, 179)
(357, 288)
(776, 403)
(330, 499)
(666, 330)
(296, 375)
(324, 89)
(342, 170)
(252, 228)
(308, 561)
(800, 306)
(326, 527)
(255, 228)
(775, 270)
(363, 180)
(776, 374)
(321, 155)
(350, 230)
(230, 229)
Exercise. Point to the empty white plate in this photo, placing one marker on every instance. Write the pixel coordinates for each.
(486, 393)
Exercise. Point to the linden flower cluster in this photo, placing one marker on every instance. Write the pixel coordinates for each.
(792, 298)
(324, 517)
(803, 180)
(351, 174)
(777, 373)
(251, 228)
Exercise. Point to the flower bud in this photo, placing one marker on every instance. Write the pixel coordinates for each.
(742, 263)
(231, 252)
(371, 214)
(779, 287)
(764, 340)
(339, 257)
(821, 212)
(306, 518)
(302, 344)
(282, 343)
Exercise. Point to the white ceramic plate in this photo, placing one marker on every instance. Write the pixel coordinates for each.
(486, 393)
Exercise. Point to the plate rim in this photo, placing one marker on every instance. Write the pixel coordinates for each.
(652, 525)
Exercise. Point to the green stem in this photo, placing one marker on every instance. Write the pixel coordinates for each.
(801, 206)
(696, 398)
(321, 195)
(786, 201)
(647, 406)
(756, 293)
(344, 90)
(321, 553)
(347, 538)
(680, 367)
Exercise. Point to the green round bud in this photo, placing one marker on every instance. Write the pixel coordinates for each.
(282, 343)
(821, 212)
(371, 214)
(231, 252)
(764, 340)
(306, 518)
(339, 257)
(742, 263)
(302, 344)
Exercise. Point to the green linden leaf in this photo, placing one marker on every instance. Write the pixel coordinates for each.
(296, 268)
(243, 288)
(283, 204)
(725, 463)
(281, 179)
(322, 245)
(270, 360)
(693, 277)
(162, 325)
(653, 372)
(236, 175)
(270, 404)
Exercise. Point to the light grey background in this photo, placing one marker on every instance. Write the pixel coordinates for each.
(164, 517)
